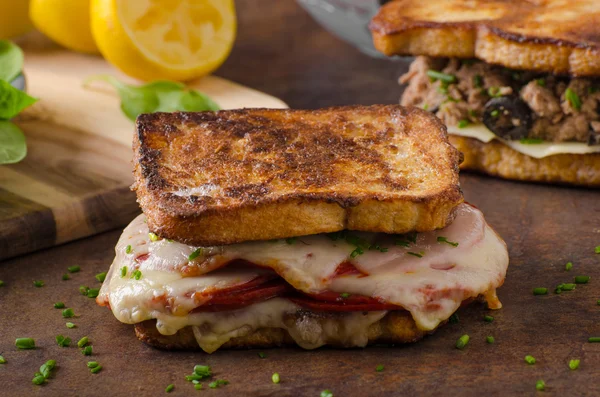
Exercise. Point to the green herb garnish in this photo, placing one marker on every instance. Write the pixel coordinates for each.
(540, 291)
(582, 279)
(540, 385)
(62, 341)
(477, 81)
(529, 360)
(569, 266)
(425, 106)
(217, 383)
(441, 239)
(128, 249)
(574, 364)
(531, 141)
(463, 123)
(275, 378)
(494, 92)
(170, 388)
(417, 254)
(137, 274)
(93, 292)
(488, 319)
(96, 369)
(446, 78)
(2, 360)
(87, 351)
(92, 364)
(83, 290)
(73, 269)
(262, 355)
(38, 283)
(123, 271)
(198, 386)
(495, 113)
(326, 393)
(66, 277)
(462, 342)
(344, 295)
(379, 368)
(573, 99)
(195, 254)
(1, 283)
(101, 277)
(25, 343)
(541, 82)
(71, 325)
(203, 370)
(68, 313)
(490, 339)
(594, 339)
(597, 249)
(157, 96)
(83, 341)
(59, 305)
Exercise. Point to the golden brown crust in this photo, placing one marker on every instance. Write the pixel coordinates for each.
(257, 174)
(395, 327)
(547, 35)
(495, 158)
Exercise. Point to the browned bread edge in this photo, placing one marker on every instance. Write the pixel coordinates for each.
(495, 158)
(296, 214)
(489, 40)
(395, 327)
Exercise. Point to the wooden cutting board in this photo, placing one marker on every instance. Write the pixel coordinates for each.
(75, 179)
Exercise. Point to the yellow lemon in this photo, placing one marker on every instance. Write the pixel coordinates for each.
(14, 18)
(65, 21)
(164, 39)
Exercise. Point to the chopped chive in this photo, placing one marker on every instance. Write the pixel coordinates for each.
(170, 388)
(597, 249)
(123, 271)
(417, 254)
(195, 254)
(2, 360)
(441, 239)
(594, 339)
(344, 295)
(38, 283)
(62, 341)
(569, 266)
(59, 305)
(128, 249)
(446, 78)
(326, 393)
(540, 291)
(71, 325)
(153, 237)
(490, 339)
(379, 368)
(494, 91)
(530, 360)
(137, 274)
(198, 386)
(87, 351)
(275, 378)
(574, 364)
(425, 106)
(291, 240)
(83, 290)
(262, 355)
(96, 369)
(83, 341)
(1, 283)
(540, 385)
(217, 383)
(38, 380)
(25, 343)
(93, 292)
(73, 269)
(202, 370)
(495, 113)
(488, 319)
(463, 123)
(541, 82)
(462, 342)
(598, 302)
(92, 364)
(573, 99)
(357, 251)
(454, 319)
(68, 313)
(531, 141)
(582, 279)
(101, 277)
(567, 287)
(66, 277)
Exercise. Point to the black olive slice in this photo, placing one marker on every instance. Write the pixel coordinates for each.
(508, 117)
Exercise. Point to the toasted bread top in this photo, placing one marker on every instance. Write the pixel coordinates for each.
(190, 165)
(565, 34)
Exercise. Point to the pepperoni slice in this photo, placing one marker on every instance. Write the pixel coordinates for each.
(231, 299)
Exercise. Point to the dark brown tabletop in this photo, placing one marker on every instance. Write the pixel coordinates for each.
(281, 51)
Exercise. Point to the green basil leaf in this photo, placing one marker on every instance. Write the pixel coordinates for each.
(11, 60)
(157, 96)
(12, 143)
(12, 101)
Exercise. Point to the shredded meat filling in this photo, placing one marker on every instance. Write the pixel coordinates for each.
(563, 109)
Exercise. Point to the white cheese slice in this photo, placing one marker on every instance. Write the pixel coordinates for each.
(427, 277)
(536, 150)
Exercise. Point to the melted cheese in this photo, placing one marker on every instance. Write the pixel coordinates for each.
(430, 287)
(536, 150)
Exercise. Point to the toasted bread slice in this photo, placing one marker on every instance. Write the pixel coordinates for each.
(258, 174)
(495, 158)
(553, 36)
(396, 327)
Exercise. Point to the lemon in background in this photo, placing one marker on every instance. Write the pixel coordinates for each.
(164, 39)
(65, 21)
(14, 18)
